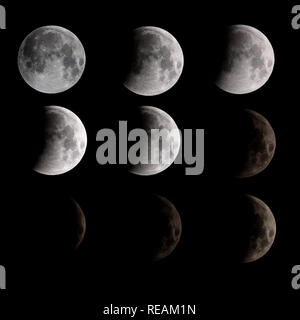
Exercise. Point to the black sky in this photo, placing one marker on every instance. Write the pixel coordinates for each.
(200, 271)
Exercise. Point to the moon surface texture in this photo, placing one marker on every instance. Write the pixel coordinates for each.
(64, 141)
(166, 151)
(51, 59)
(156, 62)
(251, 143)
(247, 60)
(259, 229)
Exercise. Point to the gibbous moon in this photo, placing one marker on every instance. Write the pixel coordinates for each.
(51, 59)
(156, 62)
(250, 145)
(155, 118)
(64, 143)
(247, 60)
(259, 229)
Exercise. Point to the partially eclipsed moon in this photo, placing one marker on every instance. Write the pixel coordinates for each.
(80, 226)
(155, 118)
(61, 222)
(64, 144)
(169, 231)
(260, 231)
(156, 62)
(251, 143)
(51, 59)
(247, 60)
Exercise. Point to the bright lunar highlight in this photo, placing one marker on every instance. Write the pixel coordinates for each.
(247, 60)
(64, 142)
(163, 148)
(156, 62)
(51, 59)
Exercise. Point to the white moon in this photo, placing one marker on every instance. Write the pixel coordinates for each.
(51, 59)
(157, 62)
(65, 142)
(155, 118)
(248, 60)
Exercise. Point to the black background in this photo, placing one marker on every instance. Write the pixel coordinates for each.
(201, 270)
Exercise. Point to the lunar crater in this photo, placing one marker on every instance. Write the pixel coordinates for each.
(153, 118)
(251, 143)
(248, 60)
(256, 228)
(65, 142)
(156, 62)
(51, 59)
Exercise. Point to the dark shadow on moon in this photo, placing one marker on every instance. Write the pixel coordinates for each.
(244, 59)
(147, 230)
(149, 118)
(242, 228)
(56, 224)
(154, 60)
(34, 135)
(126, 61)
(62, 141)
(245, 143)
(219, 48)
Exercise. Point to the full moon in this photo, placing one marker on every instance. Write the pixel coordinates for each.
(166, 152)
(51, 59)
(156, 62)
(259, 229)
(251, 143)
(247, 60)
(64, 143)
